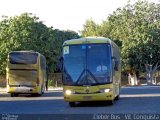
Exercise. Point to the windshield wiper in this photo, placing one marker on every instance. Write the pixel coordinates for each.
(92, 76)
(80, 76)
(86, 70)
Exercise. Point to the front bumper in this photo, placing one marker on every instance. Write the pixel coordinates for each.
(89, 97)
(23, 89)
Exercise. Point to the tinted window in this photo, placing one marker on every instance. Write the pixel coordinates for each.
(23, 58)
(98, 62)
(87, 64)
(74, 61)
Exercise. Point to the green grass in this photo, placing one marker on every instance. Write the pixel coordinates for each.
(50, 83)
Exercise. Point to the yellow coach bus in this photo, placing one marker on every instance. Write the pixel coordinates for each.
(25, 73)
(91, 70)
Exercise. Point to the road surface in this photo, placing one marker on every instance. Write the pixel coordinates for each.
(133, 100)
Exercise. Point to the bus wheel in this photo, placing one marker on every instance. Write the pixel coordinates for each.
(110, 102)
(72, 104)
(14, 94)
(117, 97)
(36, 94)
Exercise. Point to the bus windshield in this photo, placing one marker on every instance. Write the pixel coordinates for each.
(88, 64)
(23, 58)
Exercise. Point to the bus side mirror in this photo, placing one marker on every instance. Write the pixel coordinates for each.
(59, 66)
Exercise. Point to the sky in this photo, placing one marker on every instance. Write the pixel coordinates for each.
(63, 14)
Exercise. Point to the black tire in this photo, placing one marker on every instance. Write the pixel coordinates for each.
(72, 104)
(36, 94)
(117, 97)
(110, 102)
(39, 95)
(14, 94)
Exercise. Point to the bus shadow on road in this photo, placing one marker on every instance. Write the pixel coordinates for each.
(46, 94)
(94, 104)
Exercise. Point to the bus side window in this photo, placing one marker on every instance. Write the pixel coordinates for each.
(116, 63)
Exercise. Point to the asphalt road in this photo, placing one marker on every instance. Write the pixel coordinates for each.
(135, 100)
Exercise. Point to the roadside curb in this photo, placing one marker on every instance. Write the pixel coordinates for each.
(2, 90)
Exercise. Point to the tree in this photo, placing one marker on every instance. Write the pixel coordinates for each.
(27, 32)
(136, 26)
(60, 37)
(90, 28)
(141, 49)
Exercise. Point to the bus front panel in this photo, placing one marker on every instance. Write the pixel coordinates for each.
(87, 65)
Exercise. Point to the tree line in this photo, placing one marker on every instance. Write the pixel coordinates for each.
(27, 32)
(136, 29)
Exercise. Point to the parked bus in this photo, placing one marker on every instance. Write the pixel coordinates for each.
(91, 70)
(26, 73)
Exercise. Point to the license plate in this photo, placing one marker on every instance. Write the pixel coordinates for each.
(87, 97)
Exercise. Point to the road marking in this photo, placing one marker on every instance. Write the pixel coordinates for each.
(30, 98)
(139, 87)
(140, 95)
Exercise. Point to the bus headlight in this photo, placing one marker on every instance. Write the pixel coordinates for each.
(105, 90)
(68, 92)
